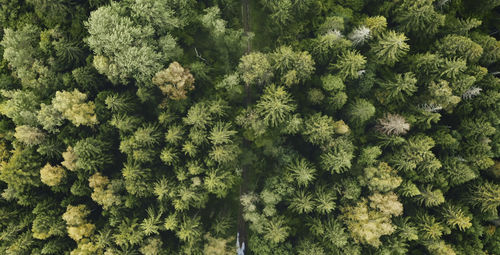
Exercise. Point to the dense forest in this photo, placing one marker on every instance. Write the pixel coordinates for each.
(308, 127)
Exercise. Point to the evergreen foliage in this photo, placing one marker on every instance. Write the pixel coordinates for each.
(249, 127)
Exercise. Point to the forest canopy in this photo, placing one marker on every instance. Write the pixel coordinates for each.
(269, 127)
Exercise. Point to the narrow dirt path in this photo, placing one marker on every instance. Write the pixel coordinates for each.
(242, 228)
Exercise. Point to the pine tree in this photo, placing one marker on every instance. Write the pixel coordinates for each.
(486, 197)
(302, 172)
(293, 67)
(91, 155)
(325, 200)
(21, 106)
(275, 105)
(276, 230)
(336, 162)
(350, 64)
(302, 202)
(50, 118)
(455, 217)
(360, 111)
(399, 89)
(460, 47)
(255, 69)
(390, 48)
(429, 227)
(429, 197)
(419, 17)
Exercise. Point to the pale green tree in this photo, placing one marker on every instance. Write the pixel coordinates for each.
(52, 175)
(72, 105)
(255, 69)
(29, 135)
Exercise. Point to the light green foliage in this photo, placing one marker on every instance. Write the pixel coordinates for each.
(212, 21)
(152, 246)
(456, 217)
(336, 162)
(377, 25)
(367, 225)
(416, 154)
(350, 64)
(302, 202)
(276, 230)
(221, 134)
(458, 171)
(231, 84)
(332, 83)
(391, 48)
(442, 94)
(325, 200)
(486, 197)
(429, 227)
(331, 23)
(328, 46)
(409, 189)
(315, 96)
(320, 129)
(107, 148)
(119, 103)
(453, 67)
(137, 179)
(255, 69)
(405, 229)
(52, 175)
(77, 226)
(103, 191)
(382, 178)
(491, 48)
(218, 246)
(189, 229)
(20, 107)
(332, 231)
(50, 118)
(72, 106)
(20, 49)
(275, 105)
(429, 197)
(48, 221)
(124, 47)
(29, 135)
(440, 247)
(293, 67)
(302, 172)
